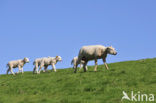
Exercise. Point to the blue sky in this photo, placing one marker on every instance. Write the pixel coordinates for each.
(40, 28)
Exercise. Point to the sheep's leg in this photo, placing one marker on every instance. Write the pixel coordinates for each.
(11, 70)
(19, 69)
(45, 68)
(104, 60)
(77, 63)
(40, 69)
(8, 70)
(22, 70)
(75, 68)
(74, 65)
(35, 68)
(53, 65)
(95, 68)
(106, 65)
(84, 66)
(80, 66)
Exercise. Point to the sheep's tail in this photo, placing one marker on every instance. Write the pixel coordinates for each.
(72, 62)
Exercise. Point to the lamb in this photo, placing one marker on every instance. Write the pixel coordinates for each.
(37, 63)
(94, 52)
(45, 62)
(17, 63)
(74, 61)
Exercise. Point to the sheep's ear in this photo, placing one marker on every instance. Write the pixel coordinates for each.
(24, 58)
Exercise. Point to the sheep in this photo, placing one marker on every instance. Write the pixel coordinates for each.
(37, 63)
(45, 62)
(17, 63)
(74, 61)
(94, 52)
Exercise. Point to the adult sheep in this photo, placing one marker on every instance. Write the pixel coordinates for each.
(45, 62)
(74, 61)
(17, 63)
(94, 52)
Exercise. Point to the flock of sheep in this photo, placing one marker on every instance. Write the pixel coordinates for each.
(86, 53)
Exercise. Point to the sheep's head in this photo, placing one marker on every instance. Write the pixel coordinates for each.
(26, 60)
(111, 50)
(58, 58)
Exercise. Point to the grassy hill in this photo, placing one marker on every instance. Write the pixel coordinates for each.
(103, 86)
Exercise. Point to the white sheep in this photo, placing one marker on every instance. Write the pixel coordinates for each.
(37, 63)
(94, 52)
(45, 62)
(17, 63)
(74, 61)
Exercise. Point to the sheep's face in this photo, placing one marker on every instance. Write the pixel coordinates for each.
(26, 60)
(111, 50)
(59, 58)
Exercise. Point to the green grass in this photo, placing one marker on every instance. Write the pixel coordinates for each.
(103, 86)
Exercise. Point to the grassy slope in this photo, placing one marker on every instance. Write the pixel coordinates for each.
(103, 86)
